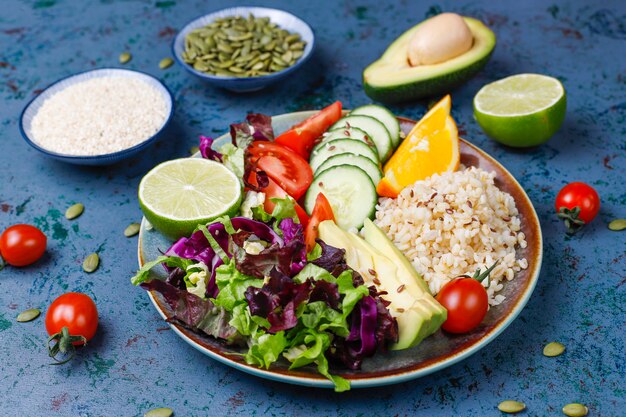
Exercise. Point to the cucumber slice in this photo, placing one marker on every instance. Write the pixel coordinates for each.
(375, 130)
(351, 133)
(352, 159)
(350, 192)
(385, 117)
(337, 146)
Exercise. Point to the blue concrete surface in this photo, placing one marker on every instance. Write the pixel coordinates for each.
(136, 363)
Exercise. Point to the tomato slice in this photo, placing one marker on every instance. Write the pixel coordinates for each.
(301, 137)
(273, 190)
(321, 211)
(288, 169)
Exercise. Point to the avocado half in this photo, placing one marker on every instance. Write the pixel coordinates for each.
(391, 79)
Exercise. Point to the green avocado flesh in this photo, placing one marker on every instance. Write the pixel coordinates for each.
(417, 312)
(391, 79)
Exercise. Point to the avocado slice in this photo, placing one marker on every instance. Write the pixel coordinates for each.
(391, 79)
(418, 314)
(406, 273)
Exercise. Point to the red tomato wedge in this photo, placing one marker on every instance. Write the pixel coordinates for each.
(288, 169)
(301, 137)
(273, 190)
(321, 211)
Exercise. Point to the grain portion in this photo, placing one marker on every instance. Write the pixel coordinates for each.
(99, 116)
(454, 223)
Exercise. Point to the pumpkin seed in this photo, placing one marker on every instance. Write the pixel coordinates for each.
(511, 407)
(159, 412)
(553, 349)
(28, 315)
(125, 57)
(74, 211)
(166, 63)
(132, 229)
(575, 410)
(91, 263)
(617, 225)
(231, 44)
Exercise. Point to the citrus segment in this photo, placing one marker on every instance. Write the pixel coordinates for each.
(431, 147)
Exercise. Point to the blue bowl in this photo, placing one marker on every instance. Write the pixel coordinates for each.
(35, 104)
(283, 19)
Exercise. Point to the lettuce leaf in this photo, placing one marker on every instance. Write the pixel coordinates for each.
(266, 349)
(171, 261)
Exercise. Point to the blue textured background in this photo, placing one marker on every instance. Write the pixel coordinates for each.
(136, 363)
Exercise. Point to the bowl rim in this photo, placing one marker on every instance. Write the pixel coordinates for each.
(303, 59)
(374, 380)
(89, 158)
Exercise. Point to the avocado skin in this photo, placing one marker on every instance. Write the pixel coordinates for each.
(429, 87)
(440, 78)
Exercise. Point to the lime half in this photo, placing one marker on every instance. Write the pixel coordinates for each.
(177, 195)
(521, 110)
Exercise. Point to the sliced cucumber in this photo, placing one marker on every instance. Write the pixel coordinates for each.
(337, 146)
(352, 159)
(375, 130)
(350, 192)
(351, 133)
(385, 117)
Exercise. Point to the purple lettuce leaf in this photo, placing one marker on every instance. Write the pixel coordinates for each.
(195, 313)
(331, 257)
(207, 151)
(262, 125)
(327, 292)
(293, 232)
(275, 256)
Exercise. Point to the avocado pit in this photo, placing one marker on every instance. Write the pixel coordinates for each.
(439, 39)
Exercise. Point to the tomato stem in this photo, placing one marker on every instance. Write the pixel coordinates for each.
(571, 219)
(64, 344)
(481, 277)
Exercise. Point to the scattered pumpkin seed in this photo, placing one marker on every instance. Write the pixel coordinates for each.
(230, 46)
(553, 349)
(159, 412)
(125, 57)
(28, 315)
(91, 263)
(511, 407)
(166, 63)
(617, 225)
(194, 149)
(74, 211)
(575, 410)
(132, 229)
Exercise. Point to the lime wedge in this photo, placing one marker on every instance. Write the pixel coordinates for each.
(177, 195)
(522, 110)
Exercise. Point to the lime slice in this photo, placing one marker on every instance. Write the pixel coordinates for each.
(522, 110)
(177, 195)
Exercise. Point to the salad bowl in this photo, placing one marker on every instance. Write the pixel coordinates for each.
(434, 353)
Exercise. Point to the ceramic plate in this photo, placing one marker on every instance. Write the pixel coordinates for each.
(434, 353)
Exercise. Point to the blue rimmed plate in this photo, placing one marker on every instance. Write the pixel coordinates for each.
(282, 18)
(35, 104)
(436, 352)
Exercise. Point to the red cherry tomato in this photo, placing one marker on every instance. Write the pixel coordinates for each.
(77, 312)
(22, 244)
(581, 195)
(466, 302)
(284, 166)
(301, 137)
(273, 190)
(321, 211)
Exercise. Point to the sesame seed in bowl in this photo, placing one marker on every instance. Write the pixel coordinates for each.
(97, 117)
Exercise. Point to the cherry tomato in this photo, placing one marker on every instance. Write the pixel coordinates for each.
(273, 190)
(321, 211)
(301, 137)
(466, 302)
(22, 244)
(288, 169)
(581, 195)
(77, 312)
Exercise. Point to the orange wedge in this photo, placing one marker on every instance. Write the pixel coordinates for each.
(432, 147)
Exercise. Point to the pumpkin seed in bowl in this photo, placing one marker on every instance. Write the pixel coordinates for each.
(235, 46)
